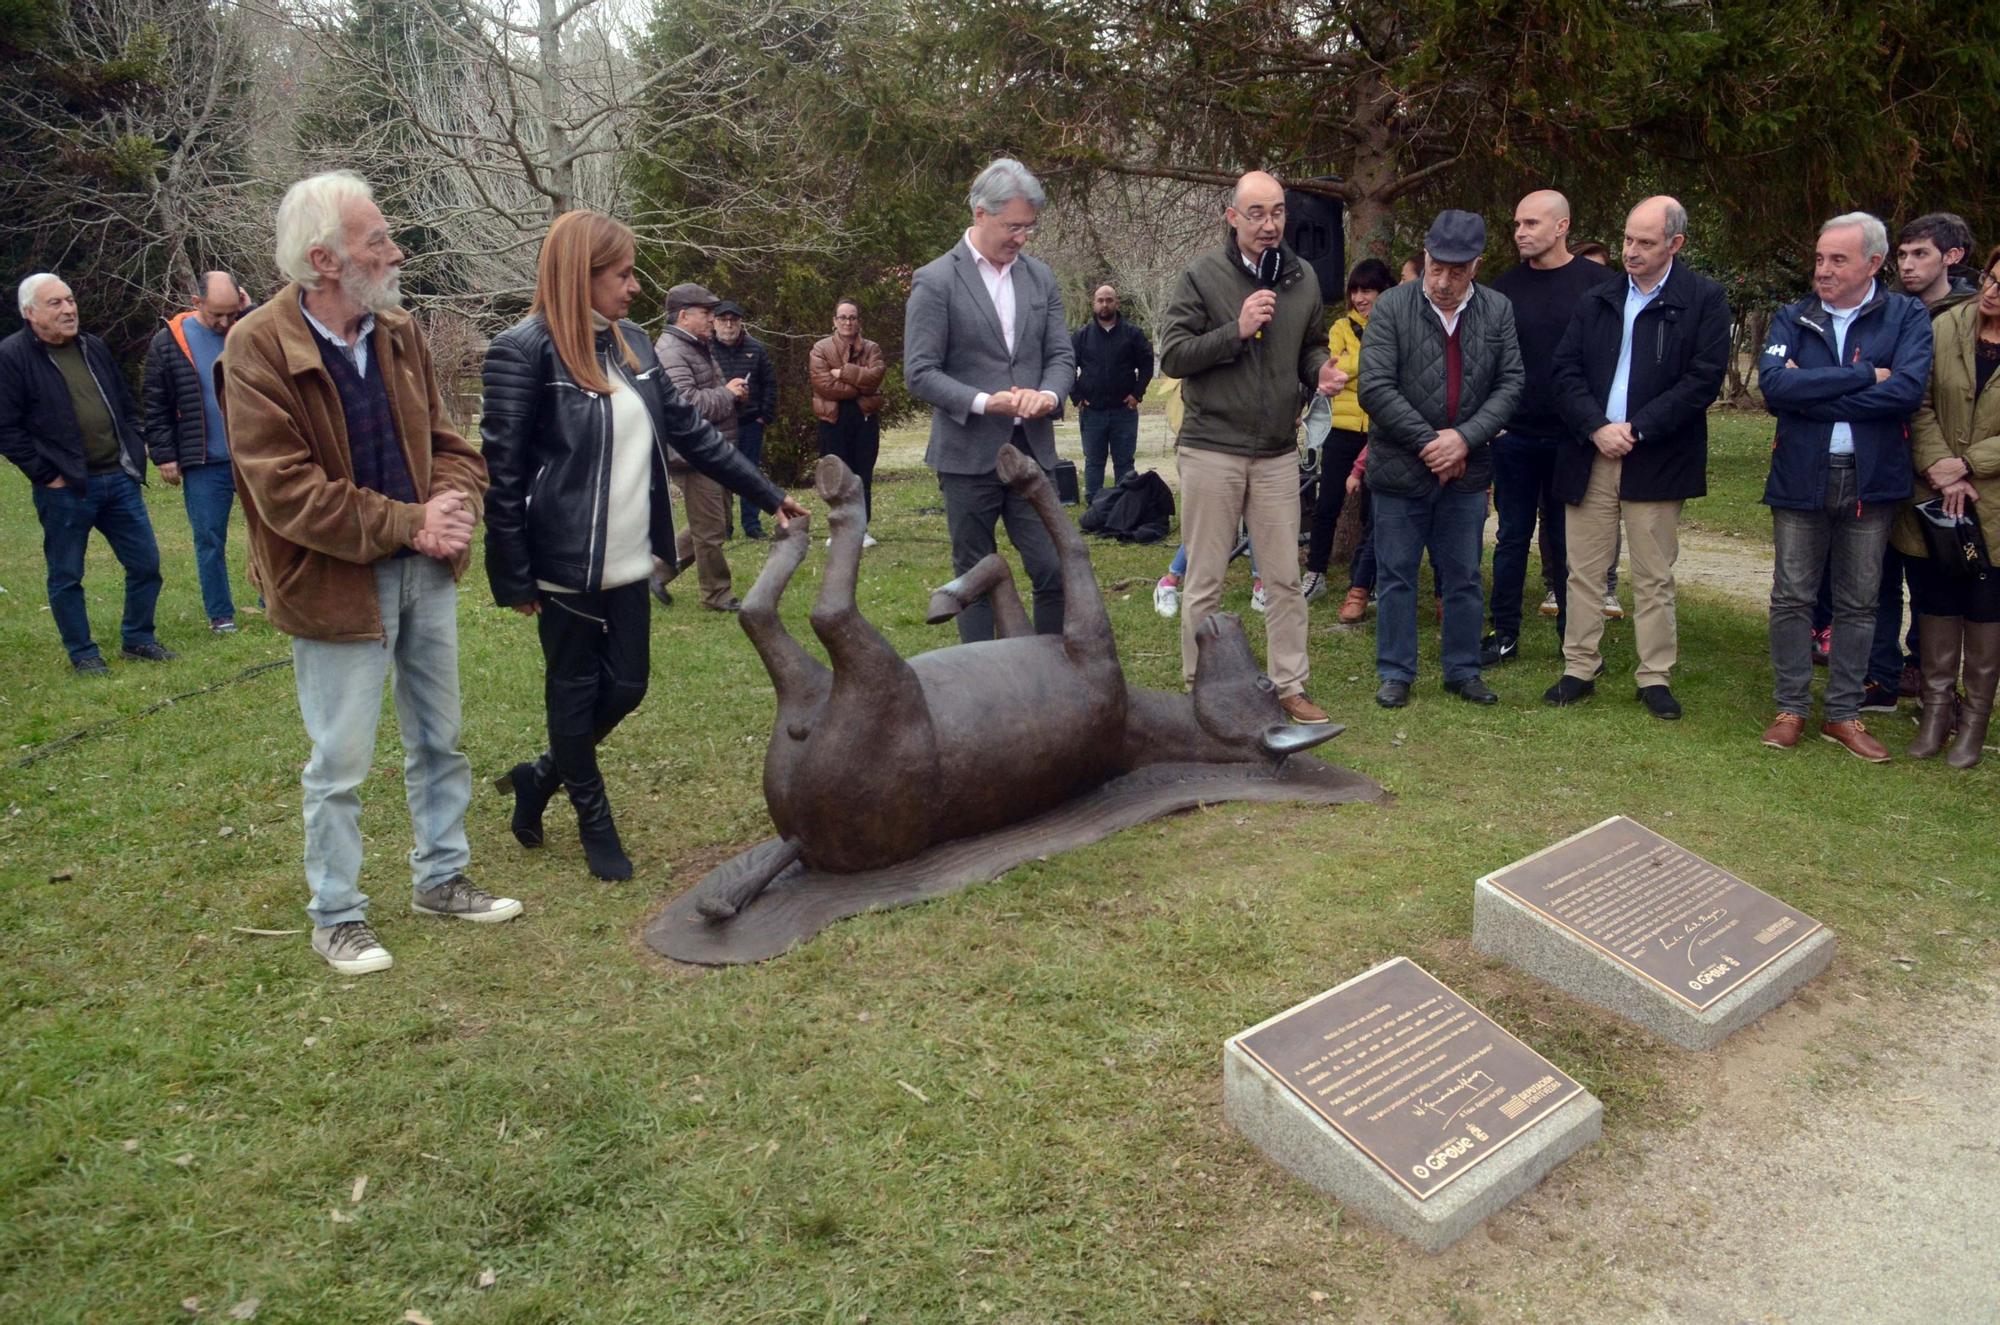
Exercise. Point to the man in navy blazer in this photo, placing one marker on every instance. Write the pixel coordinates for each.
(986, 344)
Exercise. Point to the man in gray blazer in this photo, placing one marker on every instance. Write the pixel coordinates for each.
(985, 343)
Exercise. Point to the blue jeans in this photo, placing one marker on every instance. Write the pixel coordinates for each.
(1107, 431)
(112, 505)
(210, 493)
(340, 698)
(1842, 548)
(750, 441)
(1450, 524)
(1523, 476)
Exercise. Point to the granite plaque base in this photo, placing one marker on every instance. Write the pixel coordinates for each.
(1422, 1071)
(1600, 916)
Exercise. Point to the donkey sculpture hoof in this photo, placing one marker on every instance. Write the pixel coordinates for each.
(1016, 469)
(944, 606)
(835, 482)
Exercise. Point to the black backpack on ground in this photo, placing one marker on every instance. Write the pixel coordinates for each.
(1139, 510)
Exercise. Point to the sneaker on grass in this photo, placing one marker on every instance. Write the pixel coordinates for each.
(1167, 596)
(462, 899)
(1257, 596)
(1550, 607)
(1312, 585)
(351, 948)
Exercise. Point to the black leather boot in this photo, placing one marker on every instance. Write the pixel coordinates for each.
(533, 784)
(599, 835)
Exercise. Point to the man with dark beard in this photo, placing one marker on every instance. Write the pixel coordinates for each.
(359, 498)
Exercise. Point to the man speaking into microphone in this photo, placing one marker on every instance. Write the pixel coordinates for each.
(1246, 335)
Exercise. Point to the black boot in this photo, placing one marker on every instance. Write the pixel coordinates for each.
(599, 835)
(532, 784)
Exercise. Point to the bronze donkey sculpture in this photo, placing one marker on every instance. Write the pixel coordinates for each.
(880, 758)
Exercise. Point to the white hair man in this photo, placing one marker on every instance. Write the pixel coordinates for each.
(1844, 369)
(360, 500)
(67, 420)
(986, 346)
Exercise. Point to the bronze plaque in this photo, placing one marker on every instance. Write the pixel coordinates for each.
(1692, 928)
(1416, 1077)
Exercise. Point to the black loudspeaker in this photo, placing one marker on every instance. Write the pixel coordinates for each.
(1314, 229)
(1066, 486)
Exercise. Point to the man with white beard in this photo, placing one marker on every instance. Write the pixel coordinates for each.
(359, 498)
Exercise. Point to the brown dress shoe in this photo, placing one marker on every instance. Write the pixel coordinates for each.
(1302, 710)
(1857, 740)
(1354, 606)
(1783, 733)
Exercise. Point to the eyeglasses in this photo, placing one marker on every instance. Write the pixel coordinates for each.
(1018, 229)
(846, 317)
(1259, 215)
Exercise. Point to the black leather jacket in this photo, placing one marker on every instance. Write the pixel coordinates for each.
(547, 443)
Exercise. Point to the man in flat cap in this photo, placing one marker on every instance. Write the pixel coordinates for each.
(1440, 376)
(740, 354)
(686, 350)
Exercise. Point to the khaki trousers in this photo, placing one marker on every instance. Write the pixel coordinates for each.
(1219, 491)
(707, 505)
(1652, 543)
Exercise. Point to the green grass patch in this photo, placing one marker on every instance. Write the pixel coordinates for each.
(185, 1108)
(1739, 459)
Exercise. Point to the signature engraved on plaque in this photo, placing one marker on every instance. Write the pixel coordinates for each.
(1687, 926)
(1417, 1078)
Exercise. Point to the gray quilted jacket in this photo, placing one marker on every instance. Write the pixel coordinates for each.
(1402, 386)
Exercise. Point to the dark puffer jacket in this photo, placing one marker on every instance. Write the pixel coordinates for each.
(547, 443)
(1403, 386)
(176, 418)
(696, 377)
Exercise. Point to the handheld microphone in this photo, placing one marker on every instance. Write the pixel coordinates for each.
(1267, 275)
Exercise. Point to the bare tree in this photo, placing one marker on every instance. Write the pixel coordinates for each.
(131, 151)
(489, 119)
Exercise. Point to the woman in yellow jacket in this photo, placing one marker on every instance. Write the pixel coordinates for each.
(1955, 440)
(1369, 278)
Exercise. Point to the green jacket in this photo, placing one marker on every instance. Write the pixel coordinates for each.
(1951, 423)
(1242, 396)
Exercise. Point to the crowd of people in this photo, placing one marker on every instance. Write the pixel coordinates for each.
(1574, 392)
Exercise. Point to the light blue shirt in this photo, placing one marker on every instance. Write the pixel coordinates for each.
(1842, 440)
(1615, 407)
(204, 348)
(357, 353)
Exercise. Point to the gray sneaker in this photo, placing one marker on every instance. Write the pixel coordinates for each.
(462, 899)
(1312, 585)
(351, 948)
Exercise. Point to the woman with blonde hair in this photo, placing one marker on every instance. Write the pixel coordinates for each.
(577, 421)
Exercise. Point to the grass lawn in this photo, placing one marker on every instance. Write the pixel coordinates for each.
(1003, 1106)
(1739, 458)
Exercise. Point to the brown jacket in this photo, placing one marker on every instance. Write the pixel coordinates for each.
(856, 375)
(314, 536)
(1951, 422)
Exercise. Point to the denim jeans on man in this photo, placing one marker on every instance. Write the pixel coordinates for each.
(112, 505)
(1113, 432)
(1846, 539)
(340, 698)
(1524, 470)
(750, 441)
(1450, 524)
(210, 493)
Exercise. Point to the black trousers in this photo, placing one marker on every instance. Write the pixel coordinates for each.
(857, 440)
(596, 655)
(973, 505)
(1336, 458)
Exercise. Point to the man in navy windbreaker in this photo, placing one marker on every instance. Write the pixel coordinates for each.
(1843, 370)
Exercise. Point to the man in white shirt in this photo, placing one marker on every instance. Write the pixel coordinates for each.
(986, 345)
